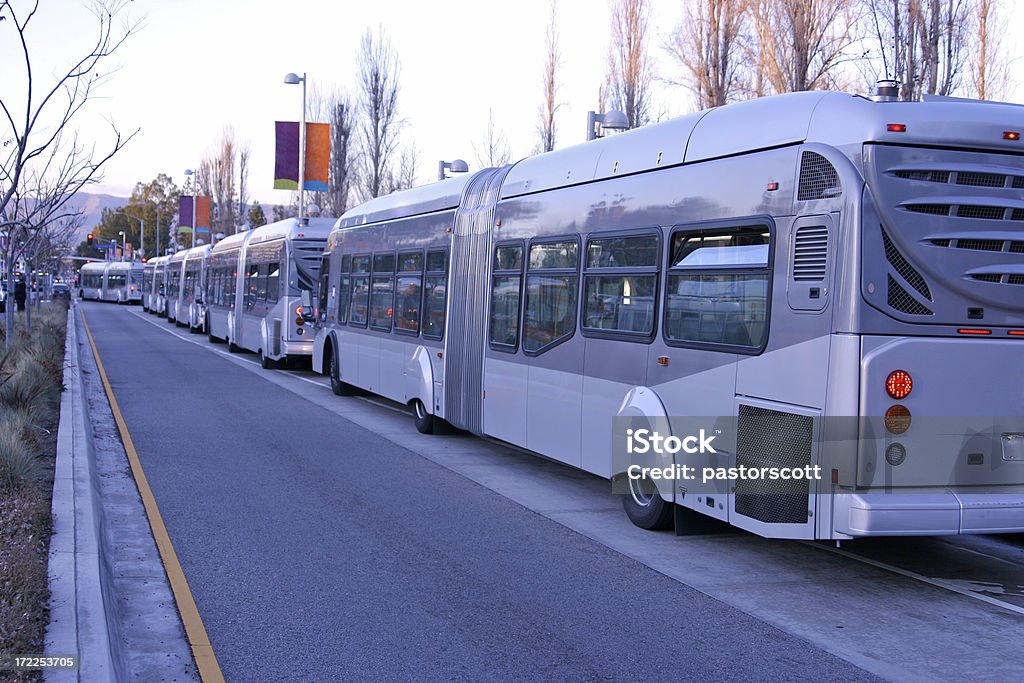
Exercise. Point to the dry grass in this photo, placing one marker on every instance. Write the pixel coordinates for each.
(31, 372)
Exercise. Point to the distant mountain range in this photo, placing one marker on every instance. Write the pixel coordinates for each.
(92, 206)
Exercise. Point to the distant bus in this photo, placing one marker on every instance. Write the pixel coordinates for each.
(222, 286)
(276, 264)
(192, 304)
(90, 280)
(781, 265)
(153, 288)
(122, 282)
(174, 280)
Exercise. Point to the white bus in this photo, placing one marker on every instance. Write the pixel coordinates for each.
(276, 264)
(192, 304)
(153, 285)
(90, 280)
(222, 286)
(122, 282)
(174, 278)
(788, 270)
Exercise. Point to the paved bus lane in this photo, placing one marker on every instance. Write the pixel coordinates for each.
(318, 550)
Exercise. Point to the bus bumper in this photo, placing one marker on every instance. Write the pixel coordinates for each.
(297, 348)
(929, 513)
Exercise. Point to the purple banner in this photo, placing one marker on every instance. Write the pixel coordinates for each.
(286, 160)
(185, 211)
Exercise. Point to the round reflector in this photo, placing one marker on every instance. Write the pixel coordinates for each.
(898, 384)
(897, 419)
(895, 454)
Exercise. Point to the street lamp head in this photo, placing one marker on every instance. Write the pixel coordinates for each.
(615, 120)
(456, 166)
(293, 79)
(189, 171)
(121, 233)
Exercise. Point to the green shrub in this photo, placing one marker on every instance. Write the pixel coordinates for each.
(18, 462)
(29, 388)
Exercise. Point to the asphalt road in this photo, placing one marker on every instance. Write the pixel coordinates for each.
(318, 550)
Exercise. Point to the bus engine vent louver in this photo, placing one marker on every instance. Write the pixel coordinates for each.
(810, 254)
(902, 301)
(818, 178)
(771, 438)
(905, 270)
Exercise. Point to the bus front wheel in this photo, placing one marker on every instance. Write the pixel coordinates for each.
(645, 507)
(337, 386)
(424, 420)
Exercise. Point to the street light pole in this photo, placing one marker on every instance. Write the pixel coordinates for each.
(124, 243)
(293, 79)
(190, 172)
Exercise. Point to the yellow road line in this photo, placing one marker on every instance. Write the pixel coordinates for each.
(202, 651)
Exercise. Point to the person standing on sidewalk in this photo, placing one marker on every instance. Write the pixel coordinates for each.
(19, 294)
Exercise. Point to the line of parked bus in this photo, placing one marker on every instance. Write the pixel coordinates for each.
(777, 262)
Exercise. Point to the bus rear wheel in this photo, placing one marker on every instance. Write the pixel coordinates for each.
(645, 507)
(266, 362)
(233, 347)
(424, 420)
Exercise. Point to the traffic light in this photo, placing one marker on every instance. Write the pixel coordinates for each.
(88, 238)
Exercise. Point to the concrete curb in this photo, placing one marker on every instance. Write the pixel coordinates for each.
(79, 619)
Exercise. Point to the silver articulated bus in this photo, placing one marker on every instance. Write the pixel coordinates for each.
(90, 280)
(122, 282)
(222, 286)
(174, 281)
(148, 271)
(157, 284)
(192, 304)
(276, 264)
(829, 283)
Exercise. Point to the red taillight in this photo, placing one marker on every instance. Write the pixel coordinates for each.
(773, 186)
(898, 384)
(897, 419)
(971, 330)
(298, 311)
(896, 128)
(1011, 135)
(1015, 333)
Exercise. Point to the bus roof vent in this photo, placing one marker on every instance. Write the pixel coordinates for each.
(810, 257)
(818, 178)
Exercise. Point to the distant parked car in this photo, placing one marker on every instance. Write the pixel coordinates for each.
(61, 292)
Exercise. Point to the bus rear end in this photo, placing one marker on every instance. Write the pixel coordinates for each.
(941, 447)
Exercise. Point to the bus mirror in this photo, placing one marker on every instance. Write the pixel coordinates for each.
(307, 307)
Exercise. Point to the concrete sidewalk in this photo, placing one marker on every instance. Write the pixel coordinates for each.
(110, 602)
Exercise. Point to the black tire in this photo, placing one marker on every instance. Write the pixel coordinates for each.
(424, 420)
(233, 347)
(337, 386)
(646, 508)
(265, 361)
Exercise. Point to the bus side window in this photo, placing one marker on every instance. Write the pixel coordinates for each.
(322, 286)
(505, 293)
(408, 292)
(360, 290)
(273, 282)
(344, 289)
(717, 288)
(551, 286)
(620, 284)
(435, 294)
